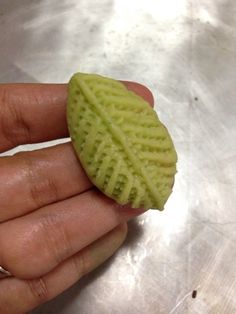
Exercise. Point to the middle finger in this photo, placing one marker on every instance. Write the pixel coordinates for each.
(30, 180)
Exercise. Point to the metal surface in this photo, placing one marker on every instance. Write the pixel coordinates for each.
(185, 52)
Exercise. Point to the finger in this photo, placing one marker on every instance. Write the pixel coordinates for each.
(30, 180)
(141, 90)
(33, 245)
(31, 113)
(19, 296)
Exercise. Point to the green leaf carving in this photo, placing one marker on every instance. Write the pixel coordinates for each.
(124, 148)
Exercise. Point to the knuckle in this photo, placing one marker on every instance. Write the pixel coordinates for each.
(4, 96)
(48, 235)
(80, 264)
(38, 290)
(42, 189)
(14, 127)
(43, 192)
(57, 241)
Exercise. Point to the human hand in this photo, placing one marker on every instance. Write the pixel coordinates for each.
(55, 226)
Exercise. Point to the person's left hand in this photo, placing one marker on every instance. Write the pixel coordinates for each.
(54, 225)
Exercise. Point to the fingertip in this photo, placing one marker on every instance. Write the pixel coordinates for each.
(141, 90)
(127, 212)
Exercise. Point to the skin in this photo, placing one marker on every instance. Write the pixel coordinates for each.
(55, 227)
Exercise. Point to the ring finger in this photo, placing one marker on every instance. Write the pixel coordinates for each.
(50, 235)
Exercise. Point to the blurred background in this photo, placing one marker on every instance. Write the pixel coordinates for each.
(185, 52)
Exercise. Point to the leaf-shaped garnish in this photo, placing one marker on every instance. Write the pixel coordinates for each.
(124, 148)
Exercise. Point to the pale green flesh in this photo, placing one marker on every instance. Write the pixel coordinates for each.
(124, 148)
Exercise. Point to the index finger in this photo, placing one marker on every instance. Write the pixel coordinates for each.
(32, 113)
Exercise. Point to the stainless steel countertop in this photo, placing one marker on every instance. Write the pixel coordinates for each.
(185, 51)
